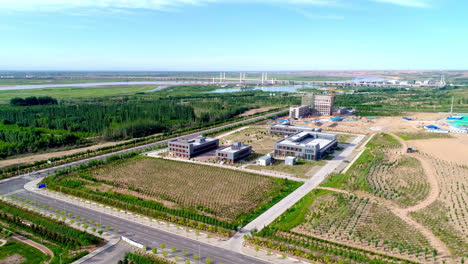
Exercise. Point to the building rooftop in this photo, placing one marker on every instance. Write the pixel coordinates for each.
(195, 142)
(237, 146)
(266, 157)
(308, 139)
(288, 125)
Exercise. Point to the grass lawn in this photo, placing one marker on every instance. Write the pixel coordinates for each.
(16, 252)
(426, 135)
(76, 92)
(345, 138)
(299, 170)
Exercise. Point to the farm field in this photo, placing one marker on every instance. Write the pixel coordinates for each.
(327, 226)
(76, 92)
(386, 203)
(447, 217)
(299, 170)
(260, 139)
(214, 195)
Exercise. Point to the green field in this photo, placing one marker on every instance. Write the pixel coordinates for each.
(76, 92)
(14, 251)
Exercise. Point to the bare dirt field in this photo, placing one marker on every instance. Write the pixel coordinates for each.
(259, 137)
(447, 149)
(257, 110)
(31, 158)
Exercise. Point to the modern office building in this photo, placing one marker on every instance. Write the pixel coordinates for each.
(306, 145)
(323, 105)
(190, 148)
(297, 112)
(234, 153)
(285, 129)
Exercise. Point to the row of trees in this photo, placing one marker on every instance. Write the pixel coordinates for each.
(29, 101)
(16, 140)
(45, 227)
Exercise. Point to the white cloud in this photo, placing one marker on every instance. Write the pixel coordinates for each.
(311, 15)
(137, 4)
(409, 3)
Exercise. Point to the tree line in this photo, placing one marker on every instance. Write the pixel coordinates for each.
(33, 100)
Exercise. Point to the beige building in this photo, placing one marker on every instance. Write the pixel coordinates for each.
(297, 112)
(324, 105)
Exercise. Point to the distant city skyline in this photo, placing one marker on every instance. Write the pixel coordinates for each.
(228, 35)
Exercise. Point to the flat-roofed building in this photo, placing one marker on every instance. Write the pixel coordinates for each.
(290, 161)
(234, 153)
(190, 148)
(323, 105)
(306, 145)
(285, 129)
(297, 112)
(266, 160)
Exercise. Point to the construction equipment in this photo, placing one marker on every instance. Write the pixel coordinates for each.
(333, 90)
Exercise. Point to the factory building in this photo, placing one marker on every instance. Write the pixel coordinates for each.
(190, 148)
(323, 105)
(286, 129)
(234, 153)
(306, 145)
(297, 112)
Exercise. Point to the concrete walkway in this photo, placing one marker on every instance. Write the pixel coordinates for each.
(33, 244)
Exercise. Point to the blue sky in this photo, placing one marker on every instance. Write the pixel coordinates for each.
(233, 35)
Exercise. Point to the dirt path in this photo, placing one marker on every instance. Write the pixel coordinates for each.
(403, 213)
(430, 173)
(38, 246)
(38, 157)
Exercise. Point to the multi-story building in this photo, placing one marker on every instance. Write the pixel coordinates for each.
(234, 153)
(306, 145)
(285, 129)
(323, 105)
(297, 112)
(190, 148)
(308, 99)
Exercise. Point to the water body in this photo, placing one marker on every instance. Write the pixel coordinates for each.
(42, 86)
(159, 88)
(289, 88)
(271, 89)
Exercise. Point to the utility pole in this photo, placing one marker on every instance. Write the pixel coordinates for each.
(451, 108)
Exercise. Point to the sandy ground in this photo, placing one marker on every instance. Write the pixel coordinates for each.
(448, 149)
(257, 110)
(394, 124)
(32, 158)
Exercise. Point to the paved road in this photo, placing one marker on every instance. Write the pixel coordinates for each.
(143, 234)
(111, 255)
(140, 233)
